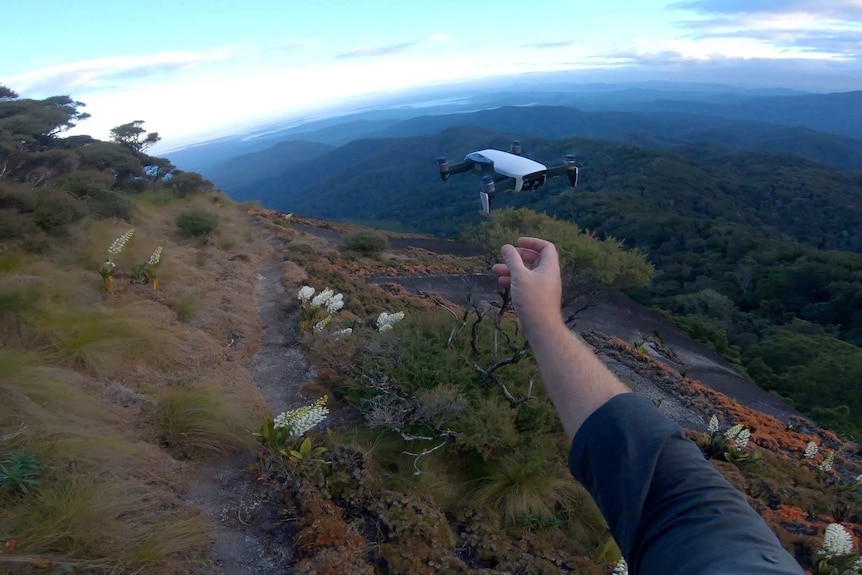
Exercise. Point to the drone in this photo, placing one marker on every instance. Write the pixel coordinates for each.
(507, 171)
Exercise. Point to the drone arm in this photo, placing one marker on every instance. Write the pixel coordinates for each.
(569, 169)
(446, 170)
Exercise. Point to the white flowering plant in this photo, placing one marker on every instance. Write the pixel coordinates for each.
(287, 427)
(386, 321)
(836, 555)
(109, 267)
(621, 568)
(315, 305)
(148, 271)
(729, 445)
(152, 266)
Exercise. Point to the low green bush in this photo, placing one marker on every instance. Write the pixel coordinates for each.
(366, 242)
(197, 223)
(53, 210)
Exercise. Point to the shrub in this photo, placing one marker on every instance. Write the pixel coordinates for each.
(197, 223)
(15, 225)
(52, 210)
(366, 242)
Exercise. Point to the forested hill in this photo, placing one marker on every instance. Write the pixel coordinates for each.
(838, 113)
(757, 253)
(656, 130)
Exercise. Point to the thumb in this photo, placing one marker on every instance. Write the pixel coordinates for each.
(513, 260)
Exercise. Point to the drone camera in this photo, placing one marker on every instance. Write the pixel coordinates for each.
(515, 148)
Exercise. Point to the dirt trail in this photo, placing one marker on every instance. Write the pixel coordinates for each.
(247, 527)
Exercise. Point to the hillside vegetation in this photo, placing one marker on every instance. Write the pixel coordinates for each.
(428, 445)
(444, 454)
(110, 388)
(756, 254)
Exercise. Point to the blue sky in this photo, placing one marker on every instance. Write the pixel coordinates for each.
(198, 68)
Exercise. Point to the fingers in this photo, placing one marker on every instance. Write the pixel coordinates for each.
(513, 260)
(500, 269)
(535, 244)
(505, 282)
(529, 256)
(544, 250)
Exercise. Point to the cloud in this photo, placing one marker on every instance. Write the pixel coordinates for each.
(798, 28)
(847, 10)
(546, 45)
(440, 37)
(105, 72)
(376, 51)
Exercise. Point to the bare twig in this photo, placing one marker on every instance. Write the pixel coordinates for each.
(417, 456)
(460, 323)
(583, 308)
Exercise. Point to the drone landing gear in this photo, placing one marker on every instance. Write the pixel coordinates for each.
(487, 193)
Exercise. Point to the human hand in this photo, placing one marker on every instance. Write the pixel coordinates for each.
(532, 273)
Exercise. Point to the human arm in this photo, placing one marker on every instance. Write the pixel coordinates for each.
(668, 508)
(563, 359)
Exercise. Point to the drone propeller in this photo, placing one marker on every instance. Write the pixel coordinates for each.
(515, 148)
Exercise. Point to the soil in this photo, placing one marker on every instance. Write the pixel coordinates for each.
(248, 528)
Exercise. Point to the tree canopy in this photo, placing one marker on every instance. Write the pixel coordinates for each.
(134, 136)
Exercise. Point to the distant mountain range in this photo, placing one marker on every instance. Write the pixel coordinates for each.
(693, 110)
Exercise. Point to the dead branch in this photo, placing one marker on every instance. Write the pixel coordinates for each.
(417, 456)
(583, 308)
(460, 323)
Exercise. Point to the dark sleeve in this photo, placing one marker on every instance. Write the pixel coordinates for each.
(669, 509)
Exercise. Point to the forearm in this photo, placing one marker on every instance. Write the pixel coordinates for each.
(576, 380)
(665, 504)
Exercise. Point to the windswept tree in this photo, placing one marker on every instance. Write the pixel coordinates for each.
(7, 93)
(134, 136)
(39, 121)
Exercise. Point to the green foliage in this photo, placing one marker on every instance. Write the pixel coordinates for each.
(19, 472)
(488, 430)
(114, 157)
(305, 451)
(186, 183)
(53, 210)
(197, 222)
(134, 136)
(836, 565)
(581, 253)
(273, 437)
(366, 242)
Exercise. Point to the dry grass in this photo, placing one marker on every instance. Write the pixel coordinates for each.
(100, 382)
(196, 420)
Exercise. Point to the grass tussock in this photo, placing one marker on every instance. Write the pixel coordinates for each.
(519, 491)
(103, 522)
(196, 421)
(105, 342)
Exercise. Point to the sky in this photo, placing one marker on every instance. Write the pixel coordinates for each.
(193, 69)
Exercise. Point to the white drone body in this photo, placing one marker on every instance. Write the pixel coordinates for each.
(507, 171)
